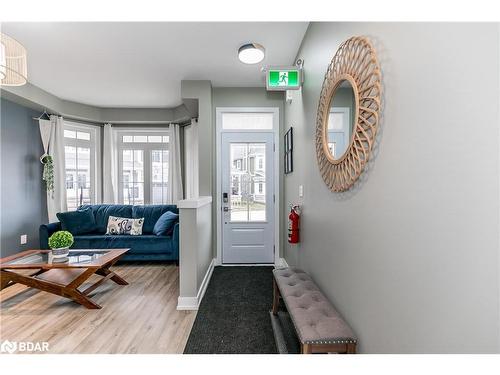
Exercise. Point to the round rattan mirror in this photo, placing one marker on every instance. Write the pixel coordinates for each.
(348, 112)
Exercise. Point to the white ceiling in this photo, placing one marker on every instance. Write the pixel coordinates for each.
(142, 64)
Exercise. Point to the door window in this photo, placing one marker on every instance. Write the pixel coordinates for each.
(248, 198)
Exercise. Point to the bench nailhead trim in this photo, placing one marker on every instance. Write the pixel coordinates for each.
(331, 342)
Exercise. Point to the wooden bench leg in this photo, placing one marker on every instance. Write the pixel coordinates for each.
(351, 349)
(305, 349)
(328, 348)
(276, 297)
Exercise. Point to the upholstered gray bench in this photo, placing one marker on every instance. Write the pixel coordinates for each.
(319, 326)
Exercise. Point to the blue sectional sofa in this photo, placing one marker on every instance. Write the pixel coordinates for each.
(147, 246)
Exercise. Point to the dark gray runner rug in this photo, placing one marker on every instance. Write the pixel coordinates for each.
(234, 314)
(285, 337)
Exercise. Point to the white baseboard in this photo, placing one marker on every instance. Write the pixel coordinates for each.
(192, 303)
(187, 303)
(282, 263)
(206, 280)
(248, 265)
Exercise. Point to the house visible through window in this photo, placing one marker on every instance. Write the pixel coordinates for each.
(252, 164)
(143, 166)
(82, 172)
(70, 181)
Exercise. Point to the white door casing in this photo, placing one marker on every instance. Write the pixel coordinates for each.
(248, 131)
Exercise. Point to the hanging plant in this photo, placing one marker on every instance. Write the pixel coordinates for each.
(48, 171)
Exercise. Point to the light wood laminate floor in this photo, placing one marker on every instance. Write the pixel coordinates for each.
(137, 318)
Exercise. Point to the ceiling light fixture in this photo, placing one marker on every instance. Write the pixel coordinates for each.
(13, 64)
(251, 53)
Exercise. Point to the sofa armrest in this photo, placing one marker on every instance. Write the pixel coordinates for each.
(175, 241)
(45, 232)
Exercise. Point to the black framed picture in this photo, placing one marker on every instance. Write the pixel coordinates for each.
(288, 146)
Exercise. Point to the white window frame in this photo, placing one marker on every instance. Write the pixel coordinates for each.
(146, 148)
(95, 155)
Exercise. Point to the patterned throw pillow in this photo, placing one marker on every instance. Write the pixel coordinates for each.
(123, 225)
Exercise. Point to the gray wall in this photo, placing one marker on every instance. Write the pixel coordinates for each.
(23, 199)
(251, 97)
(410, 255)
(202, 92)
(33, 97)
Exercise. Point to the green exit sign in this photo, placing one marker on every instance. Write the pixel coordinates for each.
(282, 79)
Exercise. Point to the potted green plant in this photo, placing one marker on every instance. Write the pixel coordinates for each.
(60, 243)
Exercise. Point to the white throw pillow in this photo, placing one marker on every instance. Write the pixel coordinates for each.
(123, 225)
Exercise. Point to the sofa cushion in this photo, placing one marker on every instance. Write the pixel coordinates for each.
(124, 225)
(77, 222)
(145, 244)
(103, 211)
(151, 214)
(165, 224)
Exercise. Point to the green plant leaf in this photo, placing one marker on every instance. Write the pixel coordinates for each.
(61, 239)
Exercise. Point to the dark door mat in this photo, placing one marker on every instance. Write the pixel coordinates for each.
(233, 317)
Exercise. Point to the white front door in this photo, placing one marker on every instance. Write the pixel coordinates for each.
(247, 177)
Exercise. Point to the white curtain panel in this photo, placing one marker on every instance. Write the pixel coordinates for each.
(109, 166)
(56, 199)
(191, 159)
(174, 166)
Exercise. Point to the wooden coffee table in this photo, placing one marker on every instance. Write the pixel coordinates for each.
(62, 279)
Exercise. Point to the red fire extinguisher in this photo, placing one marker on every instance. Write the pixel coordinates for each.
(293, 225)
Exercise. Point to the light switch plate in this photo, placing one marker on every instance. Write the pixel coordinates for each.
(24, 239)
(301, 191)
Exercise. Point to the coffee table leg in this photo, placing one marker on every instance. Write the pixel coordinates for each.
(4, 280)
(82, 299)
(69, 291)
(117, 279)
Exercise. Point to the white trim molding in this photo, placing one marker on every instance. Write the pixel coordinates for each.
(205, 282)
(193, 303)
(277, 148)
(194, 202)
(187, 303)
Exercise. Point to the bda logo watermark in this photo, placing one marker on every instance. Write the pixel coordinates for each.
(23, 346)
(8, 347)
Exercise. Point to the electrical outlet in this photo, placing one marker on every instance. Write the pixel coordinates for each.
(24, 239)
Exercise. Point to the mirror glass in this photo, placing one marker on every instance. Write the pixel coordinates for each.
(341, 120)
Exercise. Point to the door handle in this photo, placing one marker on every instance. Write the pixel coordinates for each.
(227, 209)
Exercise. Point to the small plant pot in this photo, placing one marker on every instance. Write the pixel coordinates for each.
(62, 252)
(45, 158)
